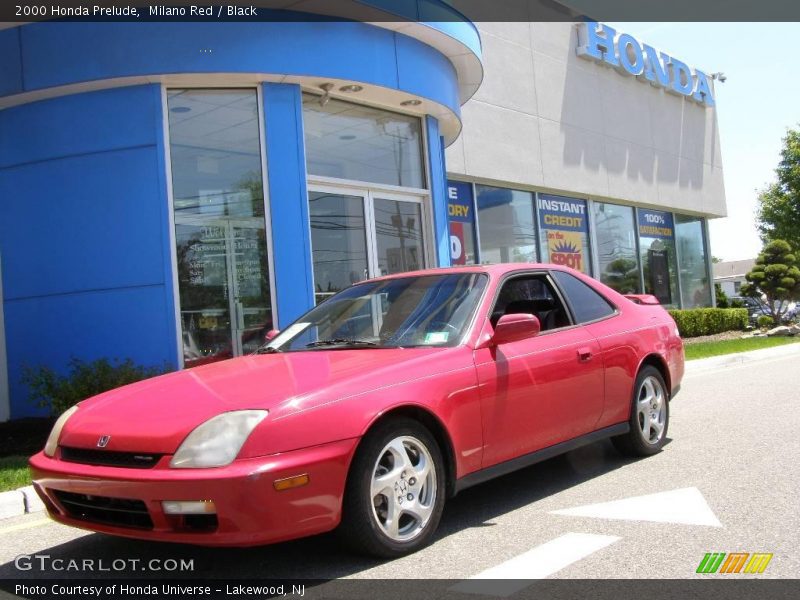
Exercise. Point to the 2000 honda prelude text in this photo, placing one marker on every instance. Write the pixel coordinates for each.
(369, 411)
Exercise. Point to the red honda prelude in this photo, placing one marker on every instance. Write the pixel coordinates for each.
(369, 411)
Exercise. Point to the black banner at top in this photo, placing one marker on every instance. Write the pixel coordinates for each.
(400, 10)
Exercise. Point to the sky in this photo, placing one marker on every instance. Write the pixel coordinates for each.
(755, 106)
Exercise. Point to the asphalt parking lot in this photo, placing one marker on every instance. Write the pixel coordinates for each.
(726, 482)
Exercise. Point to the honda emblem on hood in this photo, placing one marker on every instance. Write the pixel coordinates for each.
(103, 441)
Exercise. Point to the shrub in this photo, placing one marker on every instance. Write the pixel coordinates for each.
(693, 322)
(721, 296)
(57, 392)
(765, 321)
(737, 303)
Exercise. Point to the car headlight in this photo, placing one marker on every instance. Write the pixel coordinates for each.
(217, 442)
(55, 433)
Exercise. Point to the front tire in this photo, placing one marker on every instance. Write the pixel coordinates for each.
(649, 418)
(395, 490)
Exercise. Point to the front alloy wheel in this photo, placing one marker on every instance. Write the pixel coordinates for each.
(403, 488)
(395, 490)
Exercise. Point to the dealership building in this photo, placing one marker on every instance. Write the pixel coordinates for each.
(171, 191)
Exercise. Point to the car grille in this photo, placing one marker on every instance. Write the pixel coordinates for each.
(122, 512)
(132, 460)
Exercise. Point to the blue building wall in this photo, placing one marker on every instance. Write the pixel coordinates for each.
(56, 54)
(83, 233)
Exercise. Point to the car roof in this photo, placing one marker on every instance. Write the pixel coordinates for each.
(496, 269)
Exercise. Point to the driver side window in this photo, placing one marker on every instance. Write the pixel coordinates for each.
(532, 294)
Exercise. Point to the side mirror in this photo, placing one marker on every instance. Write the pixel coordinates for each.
(271, 334)
(512, 328)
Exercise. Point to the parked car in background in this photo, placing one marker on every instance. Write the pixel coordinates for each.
(369, 411)
(755, 307)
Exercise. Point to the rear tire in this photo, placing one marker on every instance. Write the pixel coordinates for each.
(395, 490)
(649, 418)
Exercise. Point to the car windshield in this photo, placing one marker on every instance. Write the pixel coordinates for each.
(427, 310)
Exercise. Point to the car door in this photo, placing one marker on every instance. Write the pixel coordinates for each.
(539, 391)
(618, 340)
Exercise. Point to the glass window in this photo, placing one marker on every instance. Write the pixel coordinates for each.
(531, 294)
(657, 250)
(359, 143)
(221, 244)
(564, 229)
(587, 304)
(461, 218)
(432, 310)
(338, 242)
(616, 247)
(398, 231)
(507, 227)
(695, 291)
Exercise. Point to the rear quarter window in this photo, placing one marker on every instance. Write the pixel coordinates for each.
(587, 305)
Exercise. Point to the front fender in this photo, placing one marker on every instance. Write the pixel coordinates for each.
(450, 397)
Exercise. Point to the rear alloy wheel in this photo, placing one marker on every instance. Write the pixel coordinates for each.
(649, 416)
(395, 491)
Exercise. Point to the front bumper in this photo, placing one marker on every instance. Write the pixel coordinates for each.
(249, 509)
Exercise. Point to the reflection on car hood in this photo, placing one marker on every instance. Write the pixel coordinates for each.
(157, 414)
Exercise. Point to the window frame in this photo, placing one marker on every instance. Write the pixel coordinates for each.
(426, 171)
(534, 219)
(368, 194)
(199, 85)
(559, 296)
(369, 190)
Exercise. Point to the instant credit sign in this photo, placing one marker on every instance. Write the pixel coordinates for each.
(656, 224)
(565, 231)
(461, 219)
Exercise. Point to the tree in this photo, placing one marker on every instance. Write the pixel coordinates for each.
(775, 275)
(778, 212)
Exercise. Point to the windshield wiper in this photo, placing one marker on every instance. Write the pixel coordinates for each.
(341, 342)
(266, 350)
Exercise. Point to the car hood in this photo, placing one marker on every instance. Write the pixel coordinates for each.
(156, 415)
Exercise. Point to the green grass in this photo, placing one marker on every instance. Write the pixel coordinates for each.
(14, 472)
(706, 349)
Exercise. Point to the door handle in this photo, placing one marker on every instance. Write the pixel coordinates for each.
(584, 354)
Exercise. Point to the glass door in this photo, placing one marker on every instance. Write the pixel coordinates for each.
(247, 272)
(220, 229)
(338, 241)
(360, 233)
(398, 236)
(224, 288)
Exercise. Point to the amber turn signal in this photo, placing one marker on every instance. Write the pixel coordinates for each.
(290, 482)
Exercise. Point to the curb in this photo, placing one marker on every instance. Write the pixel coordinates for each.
(740, 358)
(21, 501)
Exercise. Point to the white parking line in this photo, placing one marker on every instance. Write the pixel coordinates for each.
(538, 563)
(686, 506)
